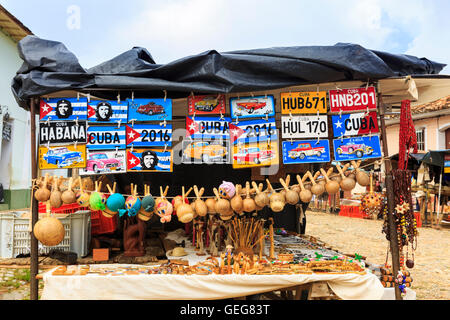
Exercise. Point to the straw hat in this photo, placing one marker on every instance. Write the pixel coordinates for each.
(419, 194)
(177, 252)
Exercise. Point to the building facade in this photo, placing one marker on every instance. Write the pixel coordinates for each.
(15, 167)
(432, 124)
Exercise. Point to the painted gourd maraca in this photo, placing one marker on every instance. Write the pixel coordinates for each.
(114, 203)
(132, 205)
(164, 209)
(97, 201)
(227, 190)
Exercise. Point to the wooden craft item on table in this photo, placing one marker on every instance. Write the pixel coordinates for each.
(100, 254)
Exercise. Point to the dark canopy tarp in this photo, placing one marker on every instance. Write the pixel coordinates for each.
(434, 157)
(50, 67)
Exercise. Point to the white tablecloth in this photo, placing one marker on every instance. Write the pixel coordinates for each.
(198, 287)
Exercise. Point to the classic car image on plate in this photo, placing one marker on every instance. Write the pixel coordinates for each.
(62, 157)
(357, 148)
(206, 151)
(105, 162)
(257, 106)
(149, 109)
(255, 154)
(306, 151)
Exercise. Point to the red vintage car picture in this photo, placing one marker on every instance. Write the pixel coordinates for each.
(150, 108)
(251, 105)
(305, 150)
(99, 162)
(358, 149)
(255, 155)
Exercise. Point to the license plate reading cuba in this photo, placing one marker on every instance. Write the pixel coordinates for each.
(303, 102)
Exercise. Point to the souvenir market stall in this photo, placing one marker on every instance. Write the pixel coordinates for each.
(259, 120)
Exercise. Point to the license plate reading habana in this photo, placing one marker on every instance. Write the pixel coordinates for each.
(303, 102)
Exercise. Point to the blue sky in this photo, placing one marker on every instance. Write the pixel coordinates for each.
(172, 29)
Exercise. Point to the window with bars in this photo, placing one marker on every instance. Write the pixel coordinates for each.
(420, 134)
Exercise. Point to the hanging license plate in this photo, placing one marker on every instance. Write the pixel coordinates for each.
(63, 109)
(61, 132)
(106, 137)
(104, 162)
(206, 151)
(100, 111)
(207, 127)
(211, 104)
(304, 127)
(149, 135)
(357, 148)
(306, 151)
(149, 110)
(149, 160)
(253, 131)
(354, 124)
(355, 99)
(252, 107)
(255, 154)
(62, 157)
(303, 102)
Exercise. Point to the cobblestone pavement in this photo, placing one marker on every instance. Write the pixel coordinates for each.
(431, 272)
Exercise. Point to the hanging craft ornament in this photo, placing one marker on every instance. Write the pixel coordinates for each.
(317, 188)
(97, 200)
(147, 205)
(132, 203)
(305, 194)
(236, 202)
(261, 198)
(68, 196)
(114, 203)
(82, 196)
(42, 194)
(55, 195)
(371, 202)
(248, 204)
(331, 186)
(407, 135)
(276, 200)
(199, 205)
(185, 213)
(347, 183)
(291, 196)
(49, 230)
(361, 177)
(227, 190)
(163, 208)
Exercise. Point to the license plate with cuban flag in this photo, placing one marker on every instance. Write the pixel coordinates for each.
(55, 109)
(149, 160)
(101, 111)
(355, 124)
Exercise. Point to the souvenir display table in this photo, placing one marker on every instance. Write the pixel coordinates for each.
(111, 282)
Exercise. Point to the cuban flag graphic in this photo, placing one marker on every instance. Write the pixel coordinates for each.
(63, 109)
(106, 137)
(355, 124)
(207, 127)
(253, 131)
(149, 160)
(101, 111)
(149, 135)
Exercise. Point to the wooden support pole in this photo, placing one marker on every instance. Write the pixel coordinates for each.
(34, 263)
(390, 199)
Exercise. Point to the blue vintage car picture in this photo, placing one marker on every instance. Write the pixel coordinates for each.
(62, 157)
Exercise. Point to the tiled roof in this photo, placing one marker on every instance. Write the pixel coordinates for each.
(11, 26)
(441, 104)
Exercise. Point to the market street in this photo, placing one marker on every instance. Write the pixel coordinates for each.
(431, 280)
